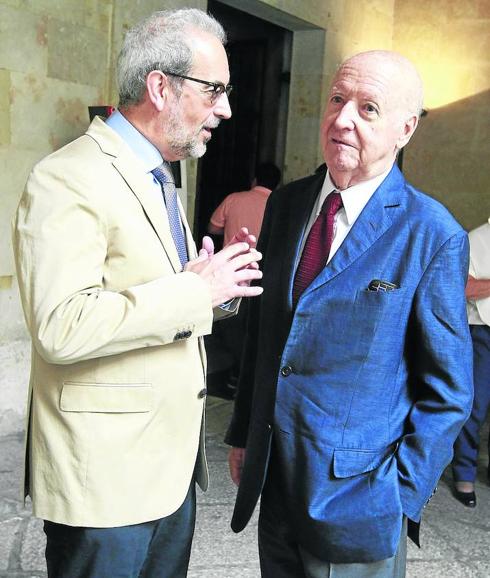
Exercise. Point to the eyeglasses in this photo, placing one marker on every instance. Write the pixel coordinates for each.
(218, 87)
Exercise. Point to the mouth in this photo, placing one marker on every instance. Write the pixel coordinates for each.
(341, 143)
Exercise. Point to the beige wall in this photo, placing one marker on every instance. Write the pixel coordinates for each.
(57, 57)
(449, 41)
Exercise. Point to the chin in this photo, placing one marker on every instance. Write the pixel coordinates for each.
(197, 150)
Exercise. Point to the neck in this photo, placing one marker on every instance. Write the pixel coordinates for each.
(148, 124)
(343, 180)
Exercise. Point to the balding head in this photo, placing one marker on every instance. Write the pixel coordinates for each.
(403, 75)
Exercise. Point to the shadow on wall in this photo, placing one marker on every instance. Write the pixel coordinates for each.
(448, 158)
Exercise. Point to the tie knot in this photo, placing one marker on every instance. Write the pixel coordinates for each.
(163, 174)
(332, 203)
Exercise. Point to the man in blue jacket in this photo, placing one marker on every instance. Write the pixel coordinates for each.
(357, 372)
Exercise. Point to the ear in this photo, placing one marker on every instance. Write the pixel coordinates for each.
(157, 89)
(408, 129)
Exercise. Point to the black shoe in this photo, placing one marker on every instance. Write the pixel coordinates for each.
(468, 499)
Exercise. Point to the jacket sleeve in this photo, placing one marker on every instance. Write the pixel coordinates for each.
(441, 375)
(62, 243)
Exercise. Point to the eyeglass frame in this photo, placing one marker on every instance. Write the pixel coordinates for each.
(218, 87)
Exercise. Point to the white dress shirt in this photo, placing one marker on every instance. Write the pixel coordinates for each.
(354, 199)
(479, 309)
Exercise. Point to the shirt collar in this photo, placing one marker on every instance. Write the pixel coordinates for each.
(140, 145)
(354, 198)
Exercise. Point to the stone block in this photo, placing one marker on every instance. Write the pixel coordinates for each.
(11, 473)
(22, 40)
(14, 376)
(95, 14)
(4, 107)
(59, 107)
(215, 546)
(15, 165)
(8, 529)
(33, 547)
(77, 54)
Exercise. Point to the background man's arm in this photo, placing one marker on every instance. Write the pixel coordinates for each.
(477, 288)
(214, 230)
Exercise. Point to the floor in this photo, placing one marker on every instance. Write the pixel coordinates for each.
(455, 539)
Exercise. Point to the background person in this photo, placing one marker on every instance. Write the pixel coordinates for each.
(117, 300)
(356, 376)
(245, 208)
(478, 295)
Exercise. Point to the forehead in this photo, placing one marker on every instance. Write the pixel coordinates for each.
(209, 61)
(367, 79)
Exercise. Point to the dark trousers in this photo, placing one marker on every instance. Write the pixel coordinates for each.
(468, 442)
(156, 549)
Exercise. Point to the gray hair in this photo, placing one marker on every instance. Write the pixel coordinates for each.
(160, 42)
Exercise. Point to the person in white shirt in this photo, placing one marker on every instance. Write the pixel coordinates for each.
(467, 445)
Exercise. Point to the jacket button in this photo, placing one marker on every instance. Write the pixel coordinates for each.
(202, 393)
(286, 370)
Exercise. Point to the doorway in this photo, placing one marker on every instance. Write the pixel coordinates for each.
(260, 59)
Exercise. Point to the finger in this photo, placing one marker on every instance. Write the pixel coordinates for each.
(251, 240)
(243, 260)
(246, 291)
(247, 275)
(202, 258)
(231, 251)
(208, 245)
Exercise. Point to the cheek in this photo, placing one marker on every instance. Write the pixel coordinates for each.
(324, 129)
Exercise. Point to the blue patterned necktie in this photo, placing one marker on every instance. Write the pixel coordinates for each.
(163, 175)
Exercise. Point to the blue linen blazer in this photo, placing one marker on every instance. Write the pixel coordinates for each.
(364, 392)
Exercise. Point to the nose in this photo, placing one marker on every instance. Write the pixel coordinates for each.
(345, 118)
(222, 107)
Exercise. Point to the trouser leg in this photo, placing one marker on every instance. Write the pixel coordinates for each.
(155, 549)
(467, 444)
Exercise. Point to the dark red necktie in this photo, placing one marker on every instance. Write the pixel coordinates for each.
(317, 246)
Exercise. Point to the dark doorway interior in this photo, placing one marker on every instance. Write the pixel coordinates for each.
(260, 56)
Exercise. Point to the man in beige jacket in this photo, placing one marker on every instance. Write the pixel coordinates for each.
(117, 300)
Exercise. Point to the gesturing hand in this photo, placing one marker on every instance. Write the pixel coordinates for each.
(228, 272)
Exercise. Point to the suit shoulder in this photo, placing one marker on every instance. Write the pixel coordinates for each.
(426, 210)
(295, 188)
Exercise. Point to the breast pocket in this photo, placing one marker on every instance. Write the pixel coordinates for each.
(106, 398)
(386, 307)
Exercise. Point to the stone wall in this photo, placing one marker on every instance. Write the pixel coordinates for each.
(449, 42)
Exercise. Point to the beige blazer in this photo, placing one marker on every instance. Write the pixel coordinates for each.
(118, 365)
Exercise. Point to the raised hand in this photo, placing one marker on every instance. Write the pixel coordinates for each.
(228, 272)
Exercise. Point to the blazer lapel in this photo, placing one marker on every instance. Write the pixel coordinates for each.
(375, 219)
(131, 170)
(152, 206)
